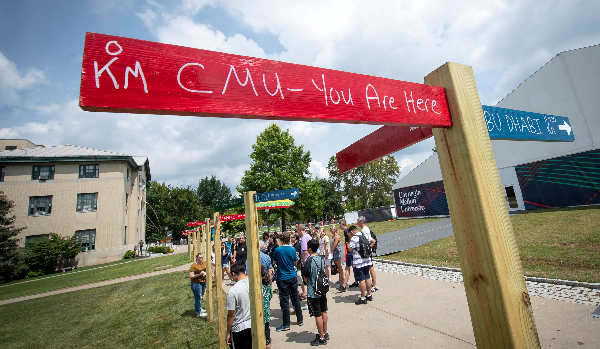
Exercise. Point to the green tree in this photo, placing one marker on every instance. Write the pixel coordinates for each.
(171, 207)
(11, 258)
(211, 191)
(45, 255)
(367, 186)
(277, 164)
(332, 200)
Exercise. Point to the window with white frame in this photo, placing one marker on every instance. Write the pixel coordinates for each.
(40, 205)
(42, 172)
(87, 202)
(87, 238)
(89, 171)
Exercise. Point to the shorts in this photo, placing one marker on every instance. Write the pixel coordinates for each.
(349, 259)
(337, 255)
(316, 306)
(327, 261)
(225, 265)
(362, 273)
(242, 339)
(267, 333)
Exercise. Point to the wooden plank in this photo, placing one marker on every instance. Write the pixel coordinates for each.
(382, 142)
(209, 271)
(136, 76)
(254, 276)
(189, 247)
(219, 283)
(493, 275)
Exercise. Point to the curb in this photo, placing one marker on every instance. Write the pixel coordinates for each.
(595, 286)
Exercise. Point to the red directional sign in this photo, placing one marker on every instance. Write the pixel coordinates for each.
(135, 76)
(384, 141)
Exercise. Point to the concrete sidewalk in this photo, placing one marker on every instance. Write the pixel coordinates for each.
(413, 312)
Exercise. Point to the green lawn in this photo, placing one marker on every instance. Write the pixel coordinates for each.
(561, 243)
(82, 276)
(154, 312)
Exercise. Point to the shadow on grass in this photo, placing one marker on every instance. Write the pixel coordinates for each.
(558, 209)
(189, 313)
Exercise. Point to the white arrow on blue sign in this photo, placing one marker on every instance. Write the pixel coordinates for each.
(285, 194)
(521, 125)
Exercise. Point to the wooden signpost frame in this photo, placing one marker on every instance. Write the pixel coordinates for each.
(209, 278)
(497, 295)
(219, 282)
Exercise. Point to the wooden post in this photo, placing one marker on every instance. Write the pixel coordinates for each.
(209, 278)
(188, 246)
(219, 274)
(255, 279)
(497, 295)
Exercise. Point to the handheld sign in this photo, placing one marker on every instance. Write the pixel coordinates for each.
(513, 124)
(135, 76)
(286, 194)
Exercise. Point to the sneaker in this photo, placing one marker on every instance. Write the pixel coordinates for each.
(374, 289)
(361, 301)
(305, 307)
(355, 284)
(300, 323)
(282, 328)
(369, 298)
(326, 336)
(318, 341)
(202, 313)
(342, 289)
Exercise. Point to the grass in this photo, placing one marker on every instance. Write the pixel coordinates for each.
(154, 312)
(560, 243)
(83, 276)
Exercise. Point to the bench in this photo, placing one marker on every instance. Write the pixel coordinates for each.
(68, 268)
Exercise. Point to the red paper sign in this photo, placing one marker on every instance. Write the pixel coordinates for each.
(384, 141)
(233, 217)
(135, 76)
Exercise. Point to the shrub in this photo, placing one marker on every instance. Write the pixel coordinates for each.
(47, 254)
(11, 258)
(129, 254)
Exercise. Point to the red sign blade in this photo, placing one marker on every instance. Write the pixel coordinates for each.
(135, 76)
(384, 141)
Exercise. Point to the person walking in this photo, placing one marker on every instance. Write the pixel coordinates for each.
(336, 250)
(317, 304)
(367, 233)
(239, 320)
(324, 250)
(287, 282)
(198, 283)
(361, 265)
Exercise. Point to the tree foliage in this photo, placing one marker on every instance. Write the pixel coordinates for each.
(171, 208)
(211, 190)
(45, 255)
(368, 185)
(11, 258)
(277, 164)
(332, 200)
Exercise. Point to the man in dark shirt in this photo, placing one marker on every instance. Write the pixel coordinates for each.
(240, 254)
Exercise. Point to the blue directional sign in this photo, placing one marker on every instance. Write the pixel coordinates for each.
(286, 194)
(521, 125)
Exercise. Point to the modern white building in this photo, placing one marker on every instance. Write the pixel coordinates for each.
(535, 174)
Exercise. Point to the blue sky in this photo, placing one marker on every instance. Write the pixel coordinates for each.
(41, 45)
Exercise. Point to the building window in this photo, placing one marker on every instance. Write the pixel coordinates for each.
(125, 237)
(10, 147)
(31, 238)
(89, 171)
(40, 205)
(2, 172)
(42, 172)
(87, 202)
(87, 238)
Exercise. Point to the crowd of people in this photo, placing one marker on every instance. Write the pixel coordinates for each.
(297, 261)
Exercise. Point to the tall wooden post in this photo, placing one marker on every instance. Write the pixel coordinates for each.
(209, 278)
(219, 274)
(188, 246)
(497, 295)
(255, 279)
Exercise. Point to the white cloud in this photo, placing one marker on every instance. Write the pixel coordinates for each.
(317, 169)
(12, 81)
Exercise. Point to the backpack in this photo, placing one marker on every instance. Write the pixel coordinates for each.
(374, 248)
(365, 248)
(321, 282)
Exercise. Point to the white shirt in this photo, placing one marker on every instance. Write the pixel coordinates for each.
(238, 299)
(357, 260)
